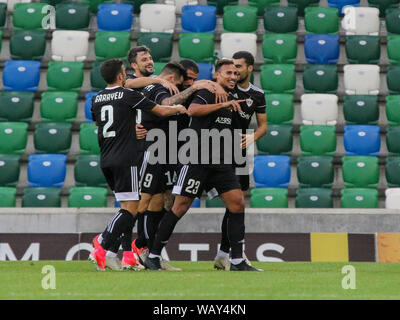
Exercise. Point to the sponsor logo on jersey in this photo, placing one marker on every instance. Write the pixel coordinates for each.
(223, 120)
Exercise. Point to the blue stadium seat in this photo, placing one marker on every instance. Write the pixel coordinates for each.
(21, 75)
(342, 3)
(362, 140)
(195, 203)
(205, 71)
(46, 170)
(199, 18)
(115, 17)
(88, 105)
(271, 171)
(322, 48)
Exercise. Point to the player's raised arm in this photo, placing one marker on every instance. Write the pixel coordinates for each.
(166, 111)
(201, 110)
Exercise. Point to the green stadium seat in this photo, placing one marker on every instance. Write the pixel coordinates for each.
(1, 38)
(393, 20)
(383, 5)
(96, 80)
(16, 106)
(41, 197)
(65, 76)
(393, 140)
(7, 197)
(363, 49)
(59, 106)
(301, 5)
(55, 2)
(360, 171)
(93, 4)
(262, 4)
(318, 140)
(28, 16)
(87, 197)
(392, 171)
(361, 109)
(197, 46)
(393, 110)
(13, 137)
(72, 16)
(315, 171)
(281, 19)
(269, 198)
(318, 78)
(137, 3)
(279, 108)
(3, 14)
(279, 48)
(158, 67)
(359, 198)
(28, 44)
(321, 20)
(160, 44)
(88, 173)
(278, 78)
(215, 203)
(392, 79)
(52, 137)
(220, 4)
(240, 19)
(111, 44)
(9, 170)
(278, 140)
(314, 198)
(88, 138)
(393, 48)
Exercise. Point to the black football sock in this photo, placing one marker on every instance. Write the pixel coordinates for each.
(236, 232)
(153, 219)
(115, 229)
(167, 226)
(115, 248)
(225, 245)
(141, 238)
(126, 239)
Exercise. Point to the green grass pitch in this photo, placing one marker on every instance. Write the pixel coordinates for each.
(199, 281)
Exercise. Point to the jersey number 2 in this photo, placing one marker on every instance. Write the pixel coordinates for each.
(110, 115)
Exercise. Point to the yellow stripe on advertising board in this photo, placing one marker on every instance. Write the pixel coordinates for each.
(329, 247)
(388, 247)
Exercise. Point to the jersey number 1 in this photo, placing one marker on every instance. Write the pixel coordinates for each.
(110, 115)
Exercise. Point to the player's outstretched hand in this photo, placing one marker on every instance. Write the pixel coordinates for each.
(140, 131)
(172, 88)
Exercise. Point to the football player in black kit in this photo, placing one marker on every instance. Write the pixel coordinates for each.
(216, 171)
(254, 103)
(114, 112)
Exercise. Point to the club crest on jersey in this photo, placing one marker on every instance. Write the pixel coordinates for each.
(249, 102)
(235, 95)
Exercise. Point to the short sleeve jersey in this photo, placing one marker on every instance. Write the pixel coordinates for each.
(115, 110)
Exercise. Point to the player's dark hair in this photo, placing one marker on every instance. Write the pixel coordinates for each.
(133, 53)
(247, 56)
(110, 69)
(190, 65)
(174, 68)
(222, 62)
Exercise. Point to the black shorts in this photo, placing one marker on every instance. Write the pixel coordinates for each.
(195, 178)
(124, 182)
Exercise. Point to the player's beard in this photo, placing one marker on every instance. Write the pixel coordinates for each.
(146, 73)
(241, 80)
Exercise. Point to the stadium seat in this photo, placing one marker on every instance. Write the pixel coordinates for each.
(278, 78)
(199, 18)
(301, 5)
(137, 4)
(41, 197)
(269, 198)
(271, 171)
(277, 140)
(93, 4)
(220, 4)
(340, 4)
(3, 14)
(215, 203)
(72, 16)
(363, 49)
(28, 16)
(88, 105)
(11, 3)
(180, 4)
(320, 78)
(46, 170)
(52, 137)
(28, 44)
(65, 75)
(109, 45)
(87, 171)
(361, 21)
(362, 140)
(157, 18)
(361, 79)
(392, 198)
(392, 140)
(393, 110)
(59, 106)
(96, 80)
(392, 79)
(158, 67)
(21, 75)
(1, 38)
(321, 20)
(392, 20)
(392, 171)
(315, 171)
(393, 48)
(322, 48)
(359, 198)
(262, 4)
(281, 19)
(197, 46)
(233, 42)
(319, 109)
(314, 198)
(196, 203)
(7, 197)
(360, 171)
(240, 19)
(87, 197)
(318, 140)
(13, 137)
(16, 106)
(69, 45)
(9, 170)
(205, 71)
(160, 44)
(88, 138)
(361, 109)
(279, 48)
(383, 5)
(115, 17)
(279, 108)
